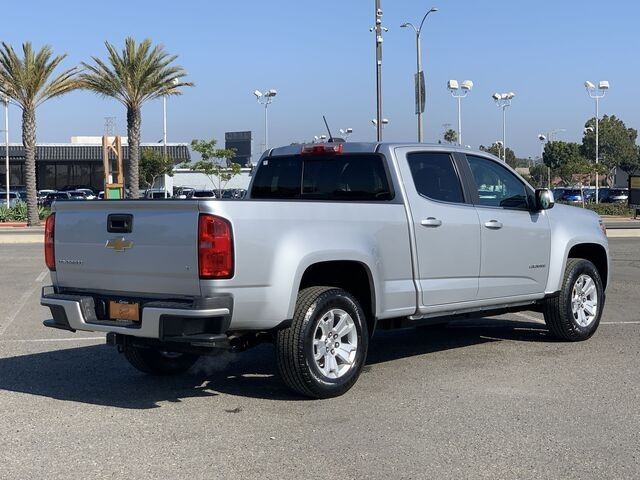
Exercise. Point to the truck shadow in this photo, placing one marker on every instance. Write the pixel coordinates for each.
(98, 375)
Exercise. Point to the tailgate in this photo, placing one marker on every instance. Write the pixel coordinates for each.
(157, 254)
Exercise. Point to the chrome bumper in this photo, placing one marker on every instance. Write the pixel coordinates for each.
(75, 312)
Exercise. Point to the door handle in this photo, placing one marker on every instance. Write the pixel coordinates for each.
(493, 224)
(431, 222)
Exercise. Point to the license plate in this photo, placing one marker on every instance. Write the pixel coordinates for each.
(122, 310)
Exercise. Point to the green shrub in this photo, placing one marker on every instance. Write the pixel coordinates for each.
(18, 213)
(5, 213)
(616, 209)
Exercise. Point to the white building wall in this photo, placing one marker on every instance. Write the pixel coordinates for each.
(183, 177)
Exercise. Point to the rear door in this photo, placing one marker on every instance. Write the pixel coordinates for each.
(156, 253)
(516, 241)
(447, 231)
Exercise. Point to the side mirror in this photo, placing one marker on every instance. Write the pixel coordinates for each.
(544, 199)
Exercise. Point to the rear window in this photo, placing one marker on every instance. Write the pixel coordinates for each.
(351, 177)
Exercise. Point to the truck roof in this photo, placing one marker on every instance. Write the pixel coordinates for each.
(370, 147)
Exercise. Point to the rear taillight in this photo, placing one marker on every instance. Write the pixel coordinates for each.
(215, 247)
(49, 237)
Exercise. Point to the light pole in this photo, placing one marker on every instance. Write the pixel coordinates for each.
(499, 144)
(543, 140)
(346, 132)
(381, 125)
(597, 94)
(464, 88)
(503, 100)
(175, 82)
(6, 146)
(419, 77)
(378, 29)
(266, 99)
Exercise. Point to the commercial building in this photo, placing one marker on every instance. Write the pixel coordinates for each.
(76, 163)
(241, 143)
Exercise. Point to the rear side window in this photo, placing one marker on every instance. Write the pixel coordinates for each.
(351, 177)
(435, 176)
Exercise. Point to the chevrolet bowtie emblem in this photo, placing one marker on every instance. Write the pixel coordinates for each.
(119, 244)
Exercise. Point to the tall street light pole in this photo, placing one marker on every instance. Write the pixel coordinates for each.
(175, 81)
(419, 78)
(378, 29)
(503, 100)
(6, 146)
(266, 99)
(454, 87)
(597, 94)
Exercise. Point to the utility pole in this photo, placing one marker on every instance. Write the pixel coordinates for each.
(378, 31)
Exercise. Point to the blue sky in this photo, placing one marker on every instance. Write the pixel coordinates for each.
(320, 58)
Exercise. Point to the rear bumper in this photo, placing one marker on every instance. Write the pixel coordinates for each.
(208, 320)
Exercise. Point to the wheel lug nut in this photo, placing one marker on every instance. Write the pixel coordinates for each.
(337, 344)
(335, 336)
(333, 352)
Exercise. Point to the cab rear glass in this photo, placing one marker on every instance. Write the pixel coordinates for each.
(349, 177)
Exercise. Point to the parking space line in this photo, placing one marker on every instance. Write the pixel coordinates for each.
(529, 317)
(41, 276)
(631, 322)
(52, 340)
(21, 303)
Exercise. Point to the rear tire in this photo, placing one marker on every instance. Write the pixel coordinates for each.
(574, 314)
(322, 353)
(157, 362)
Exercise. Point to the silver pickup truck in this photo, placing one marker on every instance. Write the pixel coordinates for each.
(332, 241)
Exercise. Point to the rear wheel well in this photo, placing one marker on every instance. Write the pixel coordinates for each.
(596, 254)
(353, 277)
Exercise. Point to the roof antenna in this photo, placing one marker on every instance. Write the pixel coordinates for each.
(328, 130)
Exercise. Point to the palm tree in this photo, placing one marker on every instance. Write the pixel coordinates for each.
(26, 81)
(141, 72)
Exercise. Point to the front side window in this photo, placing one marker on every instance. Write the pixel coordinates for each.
(497, 186)
(435, 176)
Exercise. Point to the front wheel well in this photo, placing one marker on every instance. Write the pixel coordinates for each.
(596, 254)
(351, 276)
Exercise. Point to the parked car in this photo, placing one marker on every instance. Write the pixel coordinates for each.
(52, 197)
(77, 195)
(88, 193)
(42, 194)
(156, 193)
(332, 242)
(617, 195)
(14, 198)
(201, 194)
(572, 195)
(557, 193)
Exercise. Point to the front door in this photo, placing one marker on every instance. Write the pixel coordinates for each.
(447, 232)
(516, 241)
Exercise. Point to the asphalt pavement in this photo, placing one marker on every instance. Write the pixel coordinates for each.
(482, 398)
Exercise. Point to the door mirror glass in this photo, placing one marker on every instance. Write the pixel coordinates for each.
(544, 199)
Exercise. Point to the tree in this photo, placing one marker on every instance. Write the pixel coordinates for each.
(497, 151)
(139, 73)
(215, 163)
(565, 160)
(26, 81)
(450, 136)
(617, 144)
(538, 175)
(153, 165)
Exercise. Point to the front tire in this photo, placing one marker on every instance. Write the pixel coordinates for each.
(158, 362)
(574, 315)
(322, 353)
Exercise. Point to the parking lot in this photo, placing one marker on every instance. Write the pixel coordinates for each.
(482, 398)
